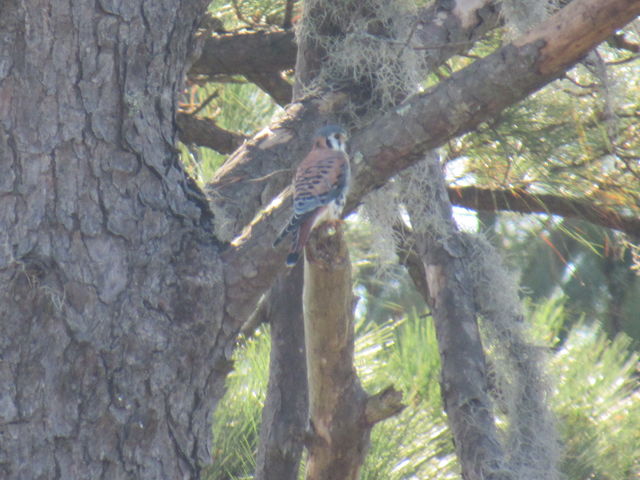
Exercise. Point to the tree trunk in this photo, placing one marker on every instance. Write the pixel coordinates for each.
(284, 416)
(111, 297)
(340, 436)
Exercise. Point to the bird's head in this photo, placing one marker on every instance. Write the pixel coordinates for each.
(333, 137)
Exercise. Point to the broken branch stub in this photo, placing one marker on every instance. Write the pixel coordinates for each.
(341, 413)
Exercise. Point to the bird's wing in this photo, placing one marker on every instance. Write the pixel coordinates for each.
(321, 177)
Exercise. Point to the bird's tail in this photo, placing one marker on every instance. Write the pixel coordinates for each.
(301, 235)
(293, 258)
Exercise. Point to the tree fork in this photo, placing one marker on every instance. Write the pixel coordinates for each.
(341, 413)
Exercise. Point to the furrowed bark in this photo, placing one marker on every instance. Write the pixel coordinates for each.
(118, 323)
(111, 284)
(341, 414)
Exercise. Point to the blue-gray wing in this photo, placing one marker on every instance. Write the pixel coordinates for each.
(320, 178)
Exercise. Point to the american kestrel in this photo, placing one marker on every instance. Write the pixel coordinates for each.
(319, 188)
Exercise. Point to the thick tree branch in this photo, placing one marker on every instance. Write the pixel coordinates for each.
(383, 405)
(439, 30)
(274, 85)
(576, 29)
(480, 91)
(521, 201)
(259, 56)
(438, 261)
(205, 133)
(248, 53)
(263, 166)
(444, 28)
(336, 399)
(426, 121)
(408, 256)
(423, 122)
(285, 414)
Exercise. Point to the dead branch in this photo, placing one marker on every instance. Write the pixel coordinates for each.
(479, 92)
(341, 414)
(423, 122)
(434, 25)
(517, 200)
(440, 31)
(447, 285)
(576, 29)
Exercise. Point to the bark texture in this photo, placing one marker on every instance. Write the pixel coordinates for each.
(442, 29)
(110, 286)
(443, 277)
(248, 53)
(576, 29)
(341, 414)
(285, 414)
(479, 92)
(118, 307)
(275, 85)
(468, 404)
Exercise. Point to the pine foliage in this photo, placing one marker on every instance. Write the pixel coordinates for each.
(596, 400)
